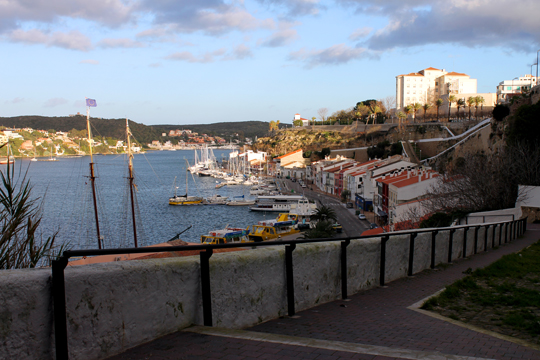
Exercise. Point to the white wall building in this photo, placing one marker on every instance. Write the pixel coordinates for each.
(430, 84)
(515, 86)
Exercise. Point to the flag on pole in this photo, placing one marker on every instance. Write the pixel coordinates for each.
(91, 102)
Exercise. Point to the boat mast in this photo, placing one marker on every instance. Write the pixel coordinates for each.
(92, 175)
(131, 185)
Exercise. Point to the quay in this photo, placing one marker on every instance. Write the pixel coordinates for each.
(382, 323)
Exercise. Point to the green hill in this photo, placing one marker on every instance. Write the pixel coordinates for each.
(115, 128)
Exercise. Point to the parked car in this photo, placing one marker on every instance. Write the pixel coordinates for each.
(373, 226)
(338, 228)
(303, 185)
(362, 217)
(350, 205)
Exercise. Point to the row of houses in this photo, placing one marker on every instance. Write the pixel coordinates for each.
(392, 188)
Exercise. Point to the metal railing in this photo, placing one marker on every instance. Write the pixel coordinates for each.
(512, 229)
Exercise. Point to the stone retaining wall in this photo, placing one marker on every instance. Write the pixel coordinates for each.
(112, 307)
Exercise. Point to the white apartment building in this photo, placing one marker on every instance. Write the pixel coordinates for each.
(515, 86)
(430, 84)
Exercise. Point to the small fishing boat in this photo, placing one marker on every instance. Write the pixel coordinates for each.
(268, 230)
(241, 201)
(216, 200)
(226, 235)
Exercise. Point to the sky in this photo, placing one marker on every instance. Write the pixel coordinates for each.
(206, 61)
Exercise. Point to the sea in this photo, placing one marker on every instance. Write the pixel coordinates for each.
(62, 190)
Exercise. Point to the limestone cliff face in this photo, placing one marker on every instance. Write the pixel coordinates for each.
(284, 141)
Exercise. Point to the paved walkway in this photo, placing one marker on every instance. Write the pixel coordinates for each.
(375, 324)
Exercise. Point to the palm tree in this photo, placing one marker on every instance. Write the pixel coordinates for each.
(460, 103)
(426, 107)
(408, 110)
(438, 103)
(451, 99)
(313, 120)
(416, 107)
(470, 103)
(324, 213)
(481, 101)
(322, 230)
(401, 115)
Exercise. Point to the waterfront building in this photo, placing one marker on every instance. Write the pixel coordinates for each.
(305, 122)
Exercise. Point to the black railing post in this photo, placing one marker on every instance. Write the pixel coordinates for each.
(411, 254)
(514, 237)
(485, 237)
(59, 308)
(205, 286)
(500, 233)
(525, 224)
(506, 233)
(476, 228)
(344, 245)
(382, 269)
(493, 236)
(450, 245)
(290, 277)
(465, 231)
(433, 238)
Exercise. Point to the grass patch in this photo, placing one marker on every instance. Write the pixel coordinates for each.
(502, 297)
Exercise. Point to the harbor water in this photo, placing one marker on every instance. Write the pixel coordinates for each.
(64, 191)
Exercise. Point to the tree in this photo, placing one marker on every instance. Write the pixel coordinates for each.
(324, 213)
(500, 112)
(323, 112)
(426, 107)
(322, 230)
(313, 120)
(345, 195)
(460, 103)
(470, 103)
(481, 101)
(297, 123)
(408, 110)
(19, 221)
(401, 115)
(451, 99)
(438, 103)
(416, 107)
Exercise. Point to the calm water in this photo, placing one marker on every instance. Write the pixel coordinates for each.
(65, 192)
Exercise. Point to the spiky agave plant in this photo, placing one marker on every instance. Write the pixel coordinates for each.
(20, 217)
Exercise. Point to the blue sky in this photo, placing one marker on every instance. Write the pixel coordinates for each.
(196, 62)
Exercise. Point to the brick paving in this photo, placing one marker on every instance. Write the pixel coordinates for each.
(378, 317)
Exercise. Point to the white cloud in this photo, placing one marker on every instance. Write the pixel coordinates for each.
(242, 52)
(119, 43)
(296, 7)
(89, 61)
(72, 40)
(360, 33)
(283, 36)
(207, 57)
(334, 55)
(213, 17)
(55, 102)
(15, 100)
(105, 12)
(472, 23)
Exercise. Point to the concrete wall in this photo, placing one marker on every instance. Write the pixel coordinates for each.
(112, 307)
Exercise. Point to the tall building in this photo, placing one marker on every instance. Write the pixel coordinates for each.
(429, 84)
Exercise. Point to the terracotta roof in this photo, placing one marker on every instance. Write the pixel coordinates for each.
(453, 73)
(411, 74)
(294, 152)
(373, 231)
(402, 180)
(432, 68)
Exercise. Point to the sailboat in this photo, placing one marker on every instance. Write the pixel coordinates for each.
(184, 199)
(9, 159)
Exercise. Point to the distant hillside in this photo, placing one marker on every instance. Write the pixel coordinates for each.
(115, 128)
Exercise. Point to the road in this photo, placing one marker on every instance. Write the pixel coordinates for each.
(352, 226)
